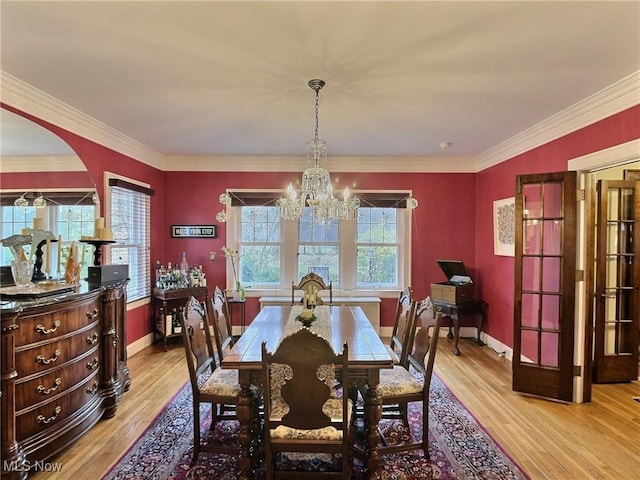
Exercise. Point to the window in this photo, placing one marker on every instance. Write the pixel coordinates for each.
(377, 247)
(68, 215)
(260, 246)
(369, 254)
(129, 208)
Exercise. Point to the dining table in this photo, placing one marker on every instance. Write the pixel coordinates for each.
(338, 325)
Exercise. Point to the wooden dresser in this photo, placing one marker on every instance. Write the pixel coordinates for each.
(64, 367)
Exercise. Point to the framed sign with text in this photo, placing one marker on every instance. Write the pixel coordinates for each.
(198, 231)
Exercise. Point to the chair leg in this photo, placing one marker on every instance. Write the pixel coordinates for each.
(425, 429)
(196, 432)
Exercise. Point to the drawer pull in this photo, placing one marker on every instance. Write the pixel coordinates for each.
(44, 331)
(46, 391)
(44, 361)
(43, 419)
(92, 314)
(93, 339)
(93, 364)
(93, 388)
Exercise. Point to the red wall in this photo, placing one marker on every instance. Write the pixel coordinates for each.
(442, 224)
(453, 220)
(496, 278)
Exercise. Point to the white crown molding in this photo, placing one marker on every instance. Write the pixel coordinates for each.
(24, 97)
(609, 157)
(613, 99)
(334, 164)
(42, 164)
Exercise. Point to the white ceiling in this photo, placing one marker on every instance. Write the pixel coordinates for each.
(230, 78)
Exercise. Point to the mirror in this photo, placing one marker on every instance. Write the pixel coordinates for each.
(37, 165)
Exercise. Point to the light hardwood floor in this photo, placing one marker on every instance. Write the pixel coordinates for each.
(549, 440)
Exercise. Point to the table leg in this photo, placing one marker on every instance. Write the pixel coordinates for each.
(483, 319)
(372, 416)
(245, 416)
(455, 323)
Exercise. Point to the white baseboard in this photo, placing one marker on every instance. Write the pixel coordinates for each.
(139, 345)
(467, 332)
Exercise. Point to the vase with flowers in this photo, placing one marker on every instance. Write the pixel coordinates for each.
(233, 257)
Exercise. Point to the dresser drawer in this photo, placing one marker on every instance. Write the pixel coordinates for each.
(58, 410)
(47, 356)
(42, 326)
(55, 382)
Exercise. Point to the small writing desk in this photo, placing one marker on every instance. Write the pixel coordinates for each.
(367, 355)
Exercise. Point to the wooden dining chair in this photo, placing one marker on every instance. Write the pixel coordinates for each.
(400, 387)
(401, 335)
(303, 413)
(221, 322)
(311, 282)
(211, 385)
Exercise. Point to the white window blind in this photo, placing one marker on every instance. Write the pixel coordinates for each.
(130, 219)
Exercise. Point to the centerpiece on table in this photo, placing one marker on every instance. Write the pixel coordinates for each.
(306, 317)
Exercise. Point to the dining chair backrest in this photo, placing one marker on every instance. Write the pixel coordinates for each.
(403, 327)
(302, 385)
(196, 337)
(311, 283)
(425, 345)
(221, 322)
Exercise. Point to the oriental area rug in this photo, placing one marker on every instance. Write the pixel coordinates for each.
(459, 447)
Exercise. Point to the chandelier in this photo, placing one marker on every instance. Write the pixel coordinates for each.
(317, 191)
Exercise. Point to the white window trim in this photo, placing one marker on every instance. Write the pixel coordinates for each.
(289, 265)
(131, 305)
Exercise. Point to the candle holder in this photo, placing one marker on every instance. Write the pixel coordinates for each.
(38, 274)
(97, 253)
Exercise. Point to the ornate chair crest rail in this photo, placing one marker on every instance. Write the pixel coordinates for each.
(312, 283)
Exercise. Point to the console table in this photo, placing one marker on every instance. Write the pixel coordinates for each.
(454, 310)
(370, 306)
(160, 299)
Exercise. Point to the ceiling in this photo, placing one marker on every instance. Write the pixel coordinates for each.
(230, 78)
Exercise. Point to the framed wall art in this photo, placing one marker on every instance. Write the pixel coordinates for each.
(504, 227)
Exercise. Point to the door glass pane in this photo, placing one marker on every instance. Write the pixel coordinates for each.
(551, 274)
(626, 198)
(613, 205)
(532, 200)
(531, 237)
(552, 232)
(626, 238)
(552, 200)
(531, 273)
(529, 346)
(610, 338)
(612, 237)
(549, 349)
(530, 310)
(551, 312)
